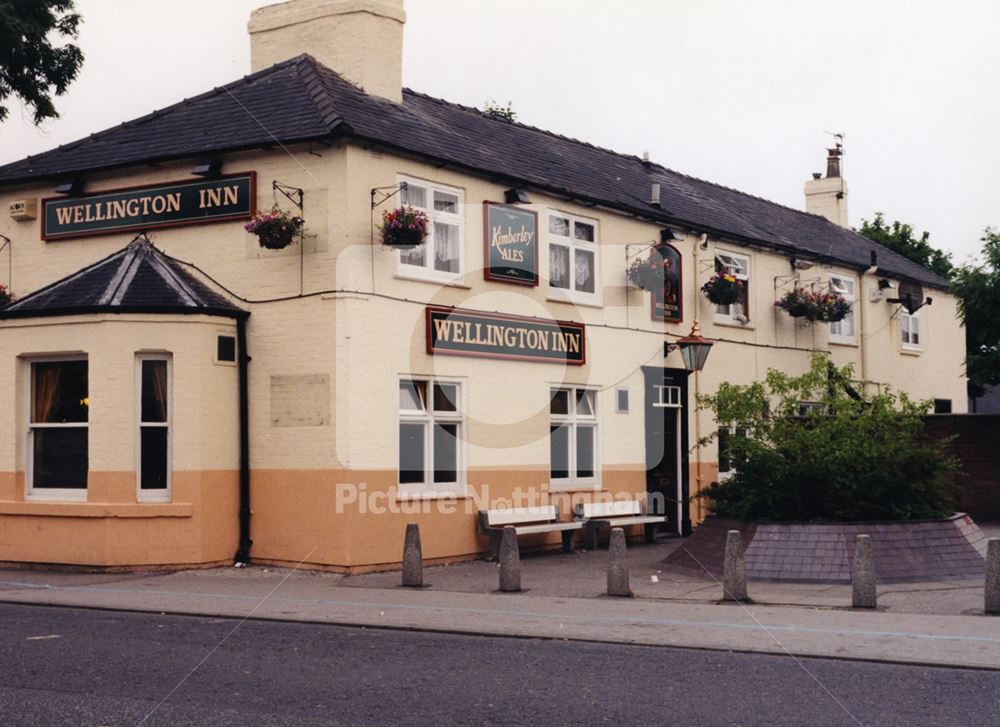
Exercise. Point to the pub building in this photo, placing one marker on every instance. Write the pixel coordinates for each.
(181, 395)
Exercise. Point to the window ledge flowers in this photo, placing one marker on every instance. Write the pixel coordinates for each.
(404, 228)
(723, 289)
(275, 229)
(814, 306)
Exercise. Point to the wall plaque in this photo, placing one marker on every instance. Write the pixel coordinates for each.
(232, 197)
(510, 244)
(494, 335)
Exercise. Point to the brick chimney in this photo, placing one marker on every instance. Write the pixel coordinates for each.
(362, 40)
(827, 196)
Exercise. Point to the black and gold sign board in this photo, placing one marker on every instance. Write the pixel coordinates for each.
(170, 204)
(511, 244)
(493, 335)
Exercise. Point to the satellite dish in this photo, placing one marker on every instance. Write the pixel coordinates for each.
(911, 296)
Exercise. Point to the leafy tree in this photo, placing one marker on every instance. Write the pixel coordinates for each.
(978, 291)
(30, 67)
(899, 238)
(507, 113)
(842, 458)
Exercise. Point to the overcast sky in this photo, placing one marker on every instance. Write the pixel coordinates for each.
(739, 93)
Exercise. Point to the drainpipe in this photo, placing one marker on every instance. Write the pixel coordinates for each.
(243, 359)
(697, 391)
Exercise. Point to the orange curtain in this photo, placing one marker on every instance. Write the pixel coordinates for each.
(46, 388)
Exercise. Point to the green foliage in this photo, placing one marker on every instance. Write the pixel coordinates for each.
(899, 238)
(978, 291)
(506, 113)
(843, 459)
(30, 67)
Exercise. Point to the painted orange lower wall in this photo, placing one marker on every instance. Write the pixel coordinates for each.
(111, 529)
(332, 519)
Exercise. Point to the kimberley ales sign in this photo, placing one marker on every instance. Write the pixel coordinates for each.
(493, 335)
(511, 242)
(145, 208)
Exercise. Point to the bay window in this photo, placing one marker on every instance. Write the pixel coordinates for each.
(440, 255)
(59, 405)
(431, 433)
(573, 443)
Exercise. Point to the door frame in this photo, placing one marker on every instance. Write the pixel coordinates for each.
(659, 376)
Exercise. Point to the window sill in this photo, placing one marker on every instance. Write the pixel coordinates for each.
(423, 496)
(574, 486)
(446, 282)
(911, 351)
(557, 298)
(97, 509)
(844, 342)
(733, 323)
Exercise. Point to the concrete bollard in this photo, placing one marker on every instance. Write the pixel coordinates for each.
(863, 591)
(510, 561)
(734, 569)
(618, 575)
(413, 559)
(993, 575)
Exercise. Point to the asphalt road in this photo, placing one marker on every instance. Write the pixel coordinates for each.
(61, 666)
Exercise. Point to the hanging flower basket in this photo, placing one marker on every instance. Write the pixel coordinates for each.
(723, 289)
(6, 297)
(648, 273)
(404, 228)
(814, 306)
(275, 229)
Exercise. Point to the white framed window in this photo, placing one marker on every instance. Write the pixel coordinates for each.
(843, 331)
(441, 256)
(573, 438)
(739, 267)
(153, 436)
(58, 429)
(911, 337)
(574, 259)
(667, 397)
(727, 467)
(431, 436)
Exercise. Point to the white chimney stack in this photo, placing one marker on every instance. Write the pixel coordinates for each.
(362, 40)
(827, 196)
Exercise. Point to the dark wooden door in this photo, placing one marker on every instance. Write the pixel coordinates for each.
(666, 447)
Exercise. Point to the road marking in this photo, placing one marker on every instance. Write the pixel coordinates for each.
(43, 638)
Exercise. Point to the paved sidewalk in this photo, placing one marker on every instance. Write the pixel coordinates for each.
(676, 611)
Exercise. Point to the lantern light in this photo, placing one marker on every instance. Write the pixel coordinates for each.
(694, 348)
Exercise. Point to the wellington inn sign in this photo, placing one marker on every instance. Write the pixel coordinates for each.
(149, 207)
(182, 395)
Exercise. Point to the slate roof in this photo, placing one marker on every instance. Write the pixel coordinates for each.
(136, 279)
(301, 100)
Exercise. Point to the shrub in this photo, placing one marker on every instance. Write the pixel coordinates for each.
(843, 458)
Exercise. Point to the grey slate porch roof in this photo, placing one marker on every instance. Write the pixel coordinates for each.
(136, 279)
(301, 100)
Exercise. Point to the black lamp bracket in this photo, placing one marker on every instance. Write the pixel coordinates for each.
(295, 195)
(380, 195)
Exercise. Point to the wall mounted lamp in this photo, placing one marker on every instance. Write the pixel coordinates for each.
(694, 348)
(514, 195)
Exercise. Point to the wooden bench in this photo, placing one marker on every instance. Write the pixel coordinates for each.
(526, 520)
(596, 515)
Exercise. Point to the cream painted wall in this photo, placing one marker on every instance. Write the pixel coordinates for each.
(362, 327)
(204, 421)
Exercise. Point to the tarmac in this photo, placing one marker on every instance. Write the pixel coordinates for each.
(939, 623)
